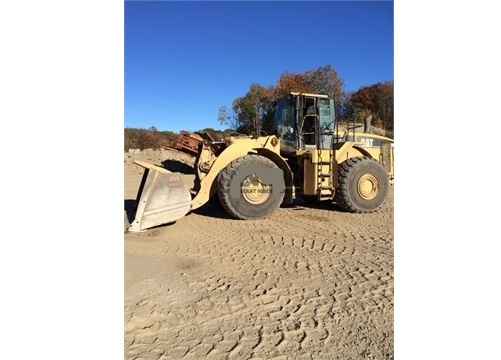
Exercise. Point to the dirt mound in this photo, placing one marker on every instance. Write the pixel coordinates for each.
(175, 161)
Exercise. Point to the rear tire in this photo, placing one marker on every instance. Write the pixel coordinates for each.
(363, 185)
(251, 187)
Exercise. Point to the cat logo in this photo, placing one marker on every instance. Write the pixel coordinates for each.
(366, 142)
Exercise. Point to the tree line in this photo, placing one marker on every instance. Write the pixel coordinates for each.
(253, 112)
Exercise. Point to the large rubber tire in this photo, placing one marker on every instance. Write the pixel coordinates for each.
(363, 185)
(251, 187)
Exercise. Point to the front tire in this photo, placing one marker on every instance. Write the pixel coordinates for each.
(363, 185)
(251, 187)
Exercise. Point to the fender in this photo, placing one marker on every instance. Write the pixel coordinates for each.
(236, 148)
(348, 150)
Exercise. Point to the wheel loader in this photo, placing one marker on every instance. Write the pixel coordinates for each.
(306, 156)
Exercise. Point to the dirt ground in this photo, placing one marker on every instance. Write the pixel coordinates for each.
(310, 282)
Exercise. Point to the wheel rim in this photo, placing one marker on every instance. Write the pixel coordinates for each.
(368, 186)
(254, 191)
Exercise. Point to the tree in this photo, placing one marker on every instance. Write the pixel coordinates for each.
(325, 80)
(289, 82)
(378, 99)
(254, 110)
(225, 118)
(253, 107)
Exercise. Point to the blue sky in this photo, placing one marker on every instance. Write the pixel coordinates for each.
(183, 60)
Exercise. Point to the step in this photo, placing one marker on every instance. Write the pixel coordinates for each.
(325, 190)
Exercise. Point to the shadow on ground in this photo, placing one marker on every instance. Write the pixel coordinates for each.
(178, 166)
(316, 204)
(213, 208)
(130, 208)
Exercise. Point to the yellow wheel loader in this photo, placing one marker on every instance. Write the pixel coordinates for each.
(306, 156)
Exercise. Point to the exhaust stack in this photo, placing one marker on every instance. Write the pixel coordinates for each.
(367, 124)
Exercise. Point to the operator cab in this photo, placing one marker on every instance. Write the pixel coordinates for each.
(304, 121)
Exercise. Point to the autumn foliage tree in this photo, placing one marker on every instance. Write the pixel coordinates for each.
(376, 100)
(253, 107)
(289, 82)
(323, 80)
(254, 111)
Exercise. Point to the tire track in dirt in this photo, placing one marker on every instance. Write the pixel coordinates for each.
(306, 283)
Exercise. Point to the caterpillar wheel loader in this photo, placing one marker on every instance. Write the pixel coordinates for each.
(306, 156)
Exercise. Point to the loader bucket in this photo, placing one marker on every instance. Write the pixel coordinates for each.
(162, 198)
